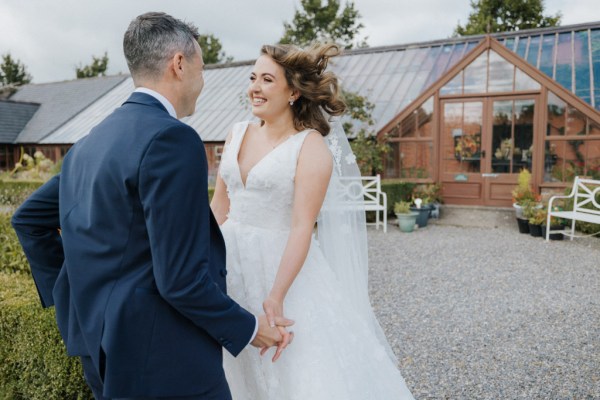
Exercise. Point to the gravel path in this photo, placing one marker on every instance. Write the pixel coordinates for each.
(476, 313)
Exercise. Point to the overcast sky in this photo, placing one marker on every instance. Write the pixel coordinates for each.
(53, 37)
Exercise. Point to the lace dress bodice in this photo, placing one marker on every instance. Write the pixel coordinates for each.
(266, 199)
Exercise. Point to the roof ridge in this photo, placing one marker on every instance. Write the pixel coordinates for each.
(470, 38)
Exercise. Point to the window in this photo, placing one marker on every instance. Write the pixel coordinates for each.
(489, 73)
(572, 144)
(411, 141)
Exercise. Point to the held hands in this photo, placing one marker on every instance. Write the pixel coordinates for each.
(273, 310)
(268, 336)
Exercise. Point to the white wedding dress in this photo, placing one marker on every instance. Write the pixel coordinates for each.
(334, 354)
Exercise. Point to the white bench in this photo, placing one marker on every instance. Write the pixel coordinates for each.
(366, 193)
(584, 193)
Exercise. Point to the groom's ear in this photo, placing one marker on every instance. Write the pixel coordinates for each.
(177, 64)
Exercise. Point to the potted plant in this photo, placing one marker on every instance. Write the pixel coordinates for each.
(524, 198)
(406, 218)
(424, 198)
(423, 210)
(536, 220)
(431, 196)
(523, 194)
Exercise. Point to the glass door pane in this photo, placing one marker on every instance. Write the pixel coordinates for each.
(502, 133)
(462, 126)
(524, 111)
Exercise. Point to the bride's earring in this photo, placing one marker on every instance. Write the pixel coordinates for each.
(291, 102)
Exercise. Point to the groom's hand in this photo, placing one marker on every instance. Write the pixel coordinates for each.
(267, 336)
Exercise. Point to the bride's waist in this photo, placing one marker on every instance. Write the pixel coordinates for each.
(267, 222)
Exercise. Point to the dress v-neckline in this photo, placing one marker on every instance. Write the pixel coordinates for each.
(239, 147)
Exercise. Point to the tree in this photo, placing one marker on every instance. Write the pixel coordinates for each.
(211, 50)
(316, 22)
(96, 68)
(367, 148)
(491, 16)
(13, 72)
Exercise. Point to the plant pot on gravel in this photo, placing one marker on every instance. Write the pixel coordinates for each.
(553, 236)
(424, 210)
(407, 222)
(537, 218)
(406, 218)
(523, 225)
(535, 230)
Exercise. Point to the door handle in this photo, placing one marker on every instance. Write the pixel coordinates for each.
(489, 175)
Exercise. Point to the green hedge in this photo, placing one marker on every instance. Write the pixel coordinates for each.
(12, 258)
(33, 360)
(14, 192)
(396, 190)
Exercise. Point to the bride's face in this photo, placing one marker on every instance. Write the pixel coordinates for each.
(269, 92)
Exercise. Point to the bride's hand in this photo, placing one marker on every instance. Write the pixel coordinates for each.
(273, 308)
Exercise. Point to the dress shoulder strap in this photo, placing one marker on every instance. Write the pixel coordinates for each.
(299, 139)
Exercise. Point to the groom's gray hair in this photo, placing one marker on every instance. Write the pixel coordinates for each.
(152, 39)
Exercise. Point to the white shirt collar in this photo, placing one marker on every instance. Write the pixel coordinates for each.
(163, 100)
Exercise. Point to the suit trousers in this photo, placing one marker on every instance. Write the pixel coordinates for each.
(93, 380)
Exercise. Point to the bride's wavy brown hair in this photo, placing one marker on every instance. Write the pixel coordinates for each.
(319, 89)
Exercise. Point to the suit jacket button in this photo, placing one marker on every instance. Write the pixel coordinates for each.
(223, 273)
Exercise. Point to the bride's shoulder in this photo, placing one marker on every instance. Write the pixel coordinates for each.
(314, 151)
(238, 129)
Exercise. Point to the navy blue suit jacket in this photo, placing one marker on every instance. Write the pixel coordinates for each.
(137, 273)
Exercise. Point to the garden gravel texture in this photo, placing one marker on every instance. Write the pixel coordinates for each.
(488, 313)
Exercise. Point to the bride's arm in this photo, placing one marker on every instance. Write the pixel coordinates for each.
(310, 185)
(220, 201)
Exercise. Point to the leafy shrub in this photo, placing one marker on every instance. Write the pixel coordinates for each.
(14, 192)
(12, 258)
(396, 191)
(33, 360)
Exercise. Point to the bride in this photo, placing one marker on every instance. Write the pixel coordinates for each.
(276, 178)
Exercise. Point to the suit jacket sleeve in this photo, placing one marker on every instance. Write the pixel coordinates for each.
(37, 225)
(174, 195)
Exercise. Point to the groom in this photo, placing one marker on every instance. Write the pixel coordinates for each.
(137, 269)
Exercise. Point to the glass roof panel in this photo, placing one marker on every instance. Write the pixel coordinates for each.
(533, 51)
(595, 45)
(547, 55)
(582, 66)
(563, 60)
(522, 46)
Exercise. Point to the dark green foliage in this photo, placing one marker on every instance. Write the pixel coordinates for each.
(212, 50)
(490, 16)
(318, 22)
(33, 360)
(12, 258)
(96, 68)
(367, 148)
(13, 72)
(396, 191)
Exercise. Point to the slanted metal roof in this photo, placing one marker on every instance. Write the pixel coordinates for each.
(13, 118)
(59, 102)
(389, 76)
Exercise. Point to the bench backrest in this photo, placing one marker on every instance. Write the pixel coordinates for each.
(366, 189)
(586, 194)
